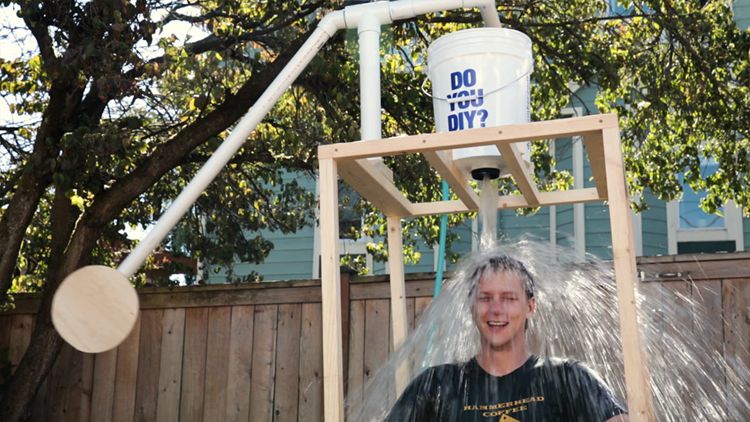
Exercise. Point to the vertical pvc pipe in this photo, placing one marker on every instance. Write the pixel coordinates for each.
(369, 77)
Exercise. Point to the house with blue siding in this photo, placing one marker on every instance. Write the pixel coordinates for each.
(665, 228)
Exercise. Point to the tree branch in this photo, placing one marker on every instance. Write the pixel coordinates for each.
(110, 203)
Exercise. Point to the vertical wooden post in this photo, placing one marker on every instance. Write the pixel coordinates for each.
(398, 295)
(640, 406)
(333, 372)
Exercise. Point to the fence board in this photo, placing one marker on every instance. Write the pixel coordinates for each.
(194, 364)
(377, 338)
(355, 377)
(420, 305)
(217, 365)
(149, 358)
(736, 299)
(6, 322)
(287, 363)
(170, 365)
(103, 394)
(125, 376)
(264, 356)
(311, 364)
(86, 384)
(410, 314)
(20, 336)
(708, 326)
(58, 381)
(240, 363)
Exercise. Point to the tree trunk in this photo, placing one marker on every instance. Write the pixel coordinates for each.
(45, 342)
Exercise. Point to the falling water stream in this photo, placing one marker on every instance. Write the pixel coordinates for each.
(576, 317)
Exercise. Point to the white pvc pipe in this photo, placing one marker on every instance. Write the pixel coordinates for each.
(234, 141)
(369, 77)
(370, 16)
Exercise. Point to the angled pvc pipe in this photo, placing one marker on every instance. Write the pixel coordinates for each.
(369, 15)
(326, 28)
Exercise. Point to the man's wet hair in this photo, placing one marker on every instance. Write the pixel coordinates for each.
(499, 262)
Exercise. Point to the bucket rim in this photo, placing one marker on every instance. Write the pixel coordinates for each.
(507, 33)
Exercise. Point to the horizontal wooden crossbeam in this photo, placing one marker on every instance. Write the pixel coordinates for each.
(375, 182)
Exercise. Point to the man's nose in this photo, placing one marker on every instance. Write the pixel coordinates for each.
(497, 306)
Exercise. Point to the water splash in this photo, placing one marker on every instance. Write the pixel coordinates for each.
(577, 318)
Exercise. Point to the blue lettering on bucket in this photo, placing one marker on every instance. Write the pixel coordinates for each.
(469, 114)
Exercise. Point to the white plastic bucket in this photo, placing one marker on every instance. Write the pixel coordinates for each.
(480, 78)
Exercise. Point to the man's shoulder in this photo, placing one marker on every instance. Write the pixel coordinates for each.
(563, 367)
(554, 362)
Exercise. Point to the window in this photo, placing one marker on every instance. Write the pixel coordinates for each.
(692, 230)
(350, 220)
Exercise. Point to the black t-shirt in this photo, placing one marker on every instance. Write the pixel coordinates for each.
(540, 390)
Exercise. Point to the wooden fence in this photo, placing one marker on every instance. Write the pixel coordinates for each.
(254, 352)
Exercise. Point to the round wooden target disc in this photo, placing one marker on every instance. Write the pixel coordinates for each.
(95, 308)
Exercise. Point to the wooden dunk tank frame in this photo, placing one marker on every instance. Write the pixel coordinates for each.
(352, 161)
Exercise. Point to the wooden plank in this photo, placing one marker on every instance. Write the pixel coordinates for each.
(170, 366)
(709, 327)
(594, 144)
(125, 376)
(264, 355)
(209, 296)
(521, 173)
(573, 196)
(40, 407)
(103, 390)
(194, 365)
(398, 290)
(366, 179)
(446, 168)
(311, 364)
(640, 404)
(382, 289)
(20, 337)
(560, 128)
(399, 325)
(60, 378)
(240, 363)
(333, 360)
(355, 377)
(149, 358)
(736, 299)
(695, 268)
(410, 313)
(286, 386)
(420, 305)
(80, 394)
(676, 301)
(217, 364)
(376, 336)
(6, 322)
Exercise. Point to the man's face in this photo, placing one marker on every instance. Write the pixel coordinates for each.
(501, 309)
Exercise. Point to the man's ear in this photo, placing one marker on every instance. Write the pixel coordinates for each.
(532, 305)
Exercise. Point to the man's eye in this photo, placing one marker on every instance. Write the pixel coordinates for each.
(484, 299)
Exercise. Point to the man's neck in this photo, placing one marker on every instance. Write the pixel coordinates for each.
(502, 362)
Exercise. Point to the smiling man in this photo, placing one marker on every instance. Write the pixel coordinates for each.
(503, 382)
